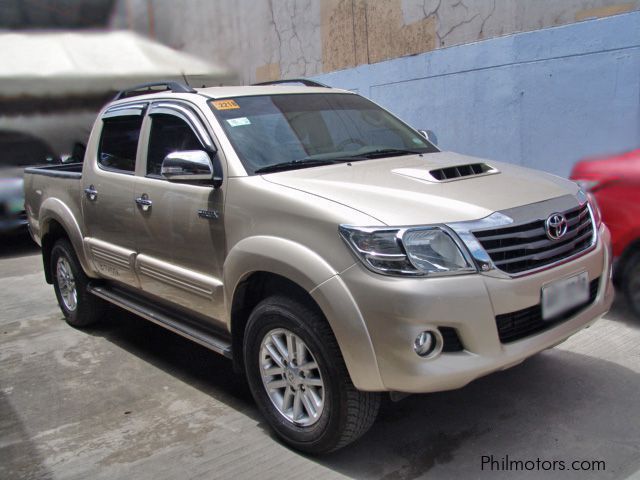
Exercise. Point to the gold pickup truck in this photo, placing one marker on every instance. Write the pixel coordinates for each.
(328, 249)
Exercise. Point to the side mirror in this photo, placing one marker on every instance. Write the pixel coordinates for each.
(189, 166)
(429, 135)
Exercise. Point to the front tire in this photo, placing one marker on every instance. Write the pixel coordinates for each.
(79, 307)
(298, 378)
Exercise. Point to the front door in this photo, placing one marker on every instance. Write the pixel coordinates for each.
(179, 226)
(108, 194)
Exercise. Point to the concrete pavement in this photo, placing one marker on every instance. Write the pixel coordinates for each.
(128, 399)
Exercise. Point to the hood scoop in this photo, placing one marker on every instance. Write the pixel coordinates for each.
(446, 174)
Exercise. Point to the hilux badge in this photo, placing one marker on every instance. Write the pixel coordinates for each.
(556, 226)
(210, 214)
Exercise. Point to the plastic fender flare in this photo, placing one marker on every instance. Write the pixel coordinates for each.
(54, 209)
(307, 269)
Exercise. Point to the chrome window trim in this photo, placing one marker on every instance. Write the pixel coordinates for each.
(127, 109)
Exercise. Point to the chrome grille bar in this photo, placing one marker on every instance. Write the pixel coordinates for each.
(520, 248)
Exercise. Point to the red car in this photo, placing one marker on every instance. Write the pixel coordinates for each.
(615, 182)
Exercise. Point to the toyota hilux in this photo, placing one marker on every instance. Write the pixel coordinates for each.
(330, 250)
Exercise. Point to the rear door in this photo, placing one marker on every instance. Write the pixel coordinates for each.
(179, 228)
(108, 194)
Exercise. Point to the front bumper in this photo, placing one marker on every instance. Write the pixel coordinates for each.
(395, 310)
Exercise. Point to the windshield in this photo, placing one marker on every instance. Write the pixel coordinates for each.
(295, 129)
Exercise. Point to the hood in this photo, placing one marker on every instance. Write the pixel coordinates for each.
(400, 190)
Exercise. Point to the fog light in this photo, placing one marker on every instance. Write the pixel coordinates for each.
(425, 343)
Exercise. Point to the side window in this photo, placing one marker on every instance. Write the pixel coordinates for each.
(119, 142)
(168, 134)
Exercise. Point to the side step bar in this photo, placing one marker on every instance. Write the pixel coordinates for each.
(165, 318)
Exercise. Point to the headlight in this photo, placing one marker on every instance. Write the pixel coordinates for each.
(415, 251)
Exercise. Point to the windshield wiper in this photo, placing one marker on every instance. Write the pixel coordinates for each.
(315, 162)
(302, 163)
(388, 152)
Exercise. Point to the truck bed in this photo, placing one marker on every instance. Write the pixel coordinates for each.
(56, 184)
(70, 170)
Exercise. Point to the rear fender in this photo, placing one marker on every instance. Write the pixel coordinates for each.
(52, 210)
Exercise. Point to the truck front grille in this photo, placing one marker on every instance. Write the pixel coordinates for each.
(522, 323)
(516, 249)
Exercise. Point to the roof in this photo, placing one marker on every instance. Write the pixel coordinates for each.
(229, 91)
(245, 91)
(72, 63)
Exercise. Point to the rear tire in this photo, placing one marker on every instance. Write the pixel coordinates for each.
(79, 307)
(331, 412)
(631, 285)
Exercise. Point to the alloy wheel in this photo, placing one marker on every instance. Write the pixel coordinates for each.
(66, 284)
(291, 377)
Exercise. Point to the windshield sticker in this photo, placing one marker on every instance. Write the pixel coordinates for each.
(237, 122)
(225, 104)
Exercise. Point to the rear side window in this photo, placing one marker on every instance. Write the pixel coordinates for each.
(119, 142)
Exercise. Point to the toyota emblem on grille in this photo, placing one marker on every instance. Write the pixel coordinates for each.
(556, 226)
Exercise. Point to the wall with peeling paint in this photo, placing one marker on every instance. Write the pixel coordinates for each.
(270, 39)
(542, 99)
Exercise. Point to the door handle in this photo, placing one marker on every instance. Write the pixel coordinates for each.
(144, 203)
(91, 193)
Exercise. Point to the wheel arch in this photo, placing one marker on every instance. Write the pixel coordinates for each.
(252, 289)
(57, 221)
(260, 266)
(55, 231)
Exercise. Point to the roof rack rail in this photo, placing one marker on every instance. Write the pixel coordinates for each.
(305, 81)
(143, 88)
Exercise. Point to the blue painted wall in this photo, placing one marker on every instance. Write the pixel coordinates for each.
(542, 99)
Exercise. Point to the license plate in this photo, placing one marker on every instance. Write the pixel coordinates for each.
(563, 295)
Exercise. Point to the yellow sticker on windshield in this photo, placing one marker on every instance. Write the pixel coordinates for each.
(225, 104)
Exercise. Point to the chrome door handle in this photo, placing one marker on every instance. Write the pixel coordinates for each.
(91, 193)
(144, 202)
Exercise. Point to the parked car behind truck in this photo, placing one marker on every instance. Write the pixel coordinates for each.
(615, 182)
(326, 247)
(18, 151)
